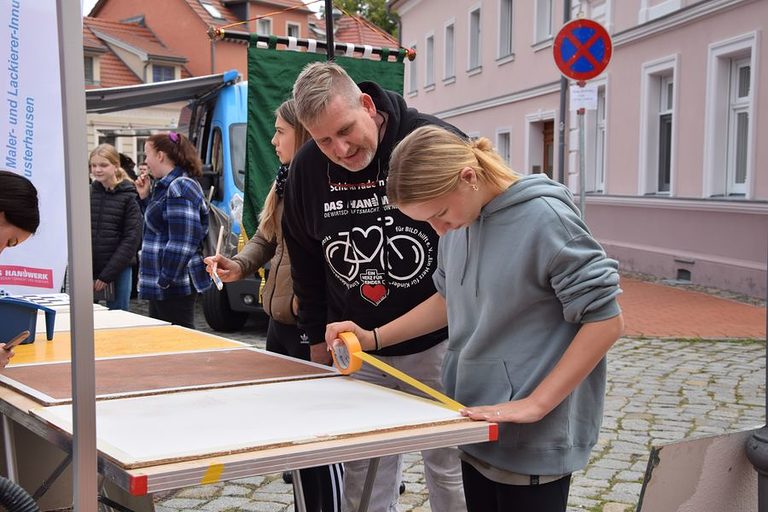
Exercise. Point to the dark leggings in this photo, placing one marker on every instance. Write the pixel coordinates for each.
(485, 495)
(177, 310)
(323, 484)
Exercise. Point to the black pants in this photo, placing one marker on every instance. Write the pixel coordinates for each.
(323, 484)
(485, 495)
(285, 339)
(177, 310)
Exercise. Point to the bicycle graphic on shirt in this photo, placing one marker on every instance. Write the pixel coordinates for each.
(404, 257)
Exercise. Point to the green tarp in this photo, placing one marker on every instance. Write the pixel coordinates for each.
(271, 73)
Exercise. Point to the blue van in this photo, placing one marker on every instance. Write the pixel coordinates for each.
(215, 120)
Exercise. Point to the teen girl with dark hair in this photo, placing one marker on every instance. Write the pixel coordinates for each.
(171, 268)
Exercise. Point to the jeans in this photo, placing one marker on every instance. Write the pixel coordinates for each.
(123, 285)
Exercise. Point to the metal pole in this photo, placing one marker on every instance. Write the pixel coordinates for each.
(757, 445)
(582, 173)
(329, 29)
(71, 76)
(563, 111)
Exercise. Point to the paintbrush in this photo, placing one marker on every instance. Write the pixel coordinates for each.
(214, 275)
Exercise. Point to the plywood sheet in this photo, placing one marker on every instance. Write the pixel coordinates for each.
(142, 375)
(121, 342)
(143, 431)
(102, 319)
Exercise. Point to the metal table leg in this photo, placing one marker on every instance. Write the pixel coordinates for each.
(10, 450)
(298, 492)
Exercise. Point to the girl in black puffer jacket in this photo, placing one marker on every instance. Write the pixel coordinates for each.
(116, 225)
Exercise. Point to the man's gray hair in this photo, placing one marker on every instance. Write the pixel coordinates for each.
(317, 85)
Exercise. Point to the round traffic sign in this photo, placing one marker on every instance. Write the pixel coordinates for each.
(582, 49)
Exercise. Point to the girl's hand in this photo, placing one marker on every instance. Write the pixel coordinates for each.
(365, 337)
(517, 411)
(99, 285)
(142, 186)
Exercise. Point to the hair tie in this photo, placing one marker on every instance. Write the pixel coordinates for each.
(174, 137)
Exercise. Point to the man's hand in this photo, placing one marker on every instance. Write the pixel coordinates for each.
(227, 269)
(318, 353)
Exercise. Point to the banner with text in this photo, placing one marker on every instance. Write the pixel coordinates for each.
(32, 141)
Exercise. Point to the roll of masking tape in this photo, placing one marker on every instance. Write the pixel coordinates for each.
(348, 357)
(345, 354)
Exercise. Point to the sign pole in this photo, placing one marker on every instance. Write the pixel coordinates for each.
(582, 50)
(582, 173)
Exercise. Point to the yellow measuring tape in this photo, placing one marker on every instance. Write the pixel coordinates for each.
(349, 356)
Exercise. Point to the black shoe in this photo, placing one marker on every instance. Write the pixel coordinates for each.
(402, 487)
(288, 477)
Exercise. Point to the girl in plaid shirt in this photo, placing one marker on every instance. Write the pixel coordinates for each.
(171, 269)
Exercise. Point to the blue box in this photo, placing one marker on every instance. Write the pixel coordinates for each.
(17, 315)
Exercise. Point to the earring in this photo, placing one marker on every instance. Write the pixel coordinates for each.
(474, 187)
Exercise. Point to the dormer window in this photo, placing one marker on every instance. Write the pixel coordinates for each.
(91, 68)
(163, 73)
(212, 10)
(89, 72)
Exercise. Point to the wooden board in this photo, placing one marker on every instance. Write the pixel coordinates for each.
(168, 428)
(102, 319)
(142, 375)
(121, 342)
(708, 474)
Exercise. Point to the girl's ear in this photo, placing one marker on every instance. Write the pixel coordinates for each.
(468, 175)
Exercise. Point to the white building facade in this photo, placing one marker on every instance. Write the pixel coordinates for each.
(675, 175)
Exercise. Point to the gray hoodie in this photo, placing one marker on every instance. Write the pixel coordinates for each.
(518, 283)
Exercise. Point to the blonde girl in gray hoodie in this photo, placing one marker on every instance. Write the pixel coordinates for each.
(529, 298)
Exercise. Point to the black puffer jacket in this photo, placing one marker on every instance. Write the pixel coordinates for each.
(116, 226)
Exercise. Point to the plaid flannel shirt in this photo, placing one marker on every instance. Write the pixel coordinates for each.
(175, 223)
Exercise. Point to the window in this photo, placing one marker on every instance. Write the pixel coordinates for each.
(657, 126)
(505, 28)
(429, 62)
(413, 75)
(599, 166)
(237, 133)
(162, 73)
(503, 146)
(264, 26)
(594, 145)
(665, 134)
(729, 144)
(293, 30)
(651, 12)
(140, 155)
(212, 10)
(90, 78)
(474, 39)
(449, 69)
(738, 128)
(543, 20)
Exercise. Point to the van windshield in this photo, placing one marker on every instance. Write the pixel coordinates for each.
(237, 150)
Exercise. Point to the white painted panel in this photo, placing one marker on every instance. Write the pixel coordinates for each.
(186, 425)
(102, 319)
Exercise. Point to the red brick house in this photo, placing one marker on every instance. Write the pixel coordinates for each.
(183, 25)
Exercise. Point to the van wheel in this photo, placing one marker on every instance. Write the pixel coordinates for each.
(218, 314)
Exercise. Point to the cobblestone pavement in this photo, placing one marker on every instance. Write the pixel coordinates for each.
(659, 391)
